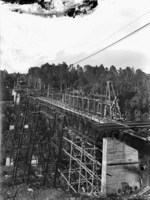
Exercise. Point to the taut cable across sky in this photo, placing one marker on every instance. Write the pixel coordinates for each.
(112, 44)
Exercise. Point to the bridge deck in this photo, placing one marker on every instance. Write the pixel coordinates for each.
(103, 123)
(57, 103)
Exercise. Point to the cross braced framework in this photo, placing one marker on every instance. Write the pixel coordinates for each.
(100, 107)
(66, 140)
(84, 170)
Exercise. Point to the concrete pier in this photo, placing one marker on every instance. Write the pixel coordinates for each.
(120, 166)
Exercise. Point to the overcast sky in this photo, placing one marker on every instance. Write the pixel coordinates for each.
(28, 41)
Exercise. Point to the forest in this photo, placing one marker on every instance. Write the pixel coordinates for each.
(132, 86)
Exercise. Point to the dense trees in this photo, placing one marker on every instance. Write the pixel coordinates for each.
(6, 84)
(131, 86)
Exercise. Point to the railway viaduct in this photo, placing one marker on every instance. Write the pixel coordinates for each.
(102, 152)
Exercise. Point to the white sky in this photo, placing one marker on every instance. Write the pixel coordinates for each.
(28, 40)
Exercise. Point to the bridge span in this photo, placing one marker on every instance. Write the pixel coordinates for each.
(95, 150)
(119, 144)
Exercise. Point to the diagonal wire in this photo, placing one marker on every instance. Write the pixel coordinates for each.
(114, 43)
(121, 29)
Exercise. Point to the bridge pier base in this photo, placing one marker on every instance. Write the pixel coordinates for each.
(145, 171)
(120, 166)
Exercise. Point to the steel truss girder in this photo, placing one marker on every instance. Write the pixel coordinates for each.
(106, 106)
(74, 120)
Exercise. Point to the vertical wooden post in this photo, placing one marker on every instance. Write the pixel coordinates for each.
(69, 100)
(59, 154)
(49, 154)
(88, 105)
(48, 91)
(73, 100)
(86, 176)
(16, 129)
(70, 163)
(80, 172)
(32, 148)
(94, 106)
(82, 104)
(19, 149)
(28, 151)
(93, 169)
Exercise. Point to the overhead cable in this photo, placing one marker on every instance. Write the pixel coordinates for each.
(114, 43)
(121, 29)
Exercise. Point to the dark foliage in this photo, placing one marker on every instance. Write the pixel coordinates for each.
(132, 87)
(6, 84)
